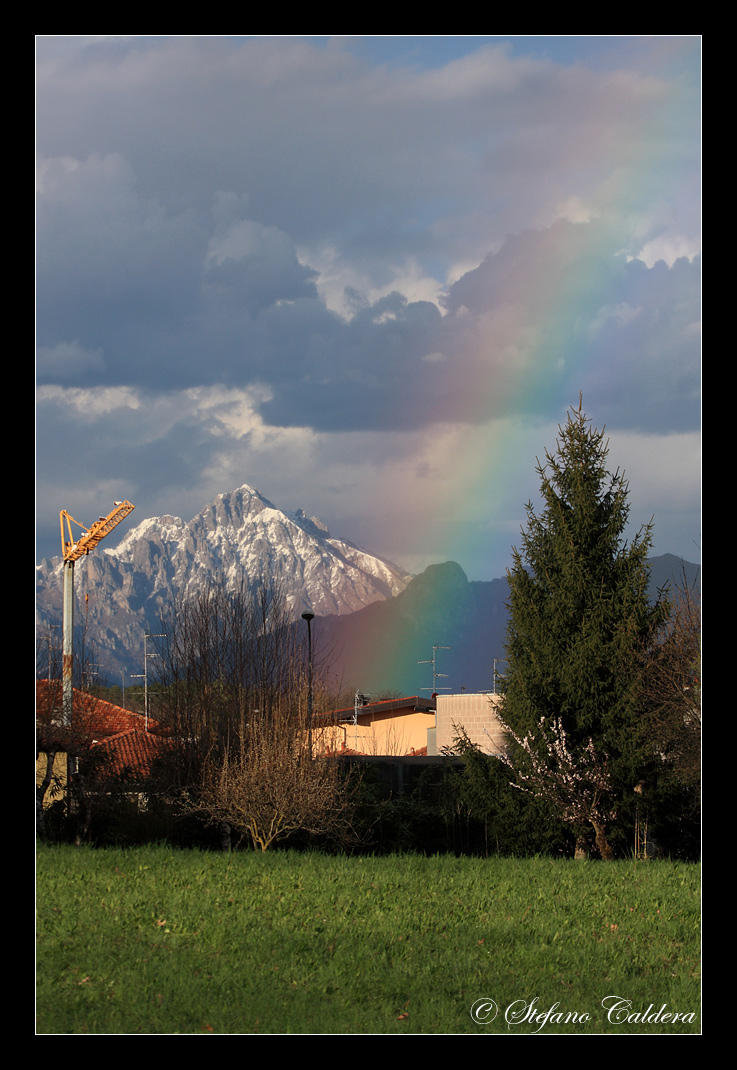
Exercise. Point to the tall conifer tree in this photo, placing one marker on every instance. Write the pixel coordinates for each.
(579, 621)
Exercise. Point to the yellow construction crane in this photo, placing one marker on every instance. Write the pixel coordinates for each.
(72, 549)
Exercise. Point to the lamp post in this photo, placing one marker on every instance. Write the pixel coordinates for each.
(309, 617)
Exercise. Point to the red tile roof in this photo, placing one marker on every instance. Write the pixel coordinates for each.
(131, 752)
(96, 716)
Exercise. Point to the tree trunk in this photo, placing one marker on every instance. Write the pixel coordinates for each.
(225, 837)
(602, 843)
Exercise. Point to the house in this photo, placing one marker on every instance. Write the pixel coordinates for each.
(130, 755)
(94, 717)
(392, 727)
(124, 743)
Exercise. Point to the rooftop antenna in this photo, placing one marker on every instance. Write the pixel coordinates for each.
(498, 675)
(144, 675)
(359, 701)
(435, 675)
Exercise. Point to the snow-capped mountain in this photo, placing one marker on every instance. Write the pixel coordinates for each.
(121, 592)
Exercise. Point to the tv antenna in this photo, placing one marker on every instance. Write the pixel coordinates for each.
(435, 675)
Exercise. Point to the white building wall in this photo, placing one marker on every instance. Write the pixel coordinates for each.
(475, 713)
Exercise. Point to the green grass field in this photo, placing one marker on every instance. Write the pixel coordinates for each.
(155, 940)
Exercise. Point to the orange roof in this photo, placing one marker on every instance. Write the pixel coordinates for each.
(132, 751)
(96, 716)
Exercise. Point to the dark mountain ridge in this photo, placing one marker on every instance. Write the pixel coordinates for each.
(387, 646)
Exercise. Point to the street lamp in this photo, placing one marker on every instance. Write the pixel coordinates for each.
(309, 617)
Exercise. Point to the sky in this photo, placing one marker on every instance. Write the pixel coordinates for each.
(367, 275)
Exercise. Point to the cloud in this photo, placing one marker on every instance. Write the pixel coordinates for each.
(294, 260)
(669, 248)
(67, 360)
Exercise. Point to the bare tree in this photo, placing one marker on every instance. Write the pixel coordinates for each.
(270, 786)
(234, 692)
(672, 688)
(229, 656)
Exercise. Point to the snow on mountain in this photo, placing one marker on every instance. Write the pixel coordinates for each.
(240, 535)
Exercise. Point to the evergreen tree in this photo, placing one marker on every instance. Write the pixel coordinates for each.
(579, 622)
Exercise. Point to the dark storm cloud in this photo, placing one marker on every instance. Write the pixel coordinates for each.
(179, 301)
(242, 238)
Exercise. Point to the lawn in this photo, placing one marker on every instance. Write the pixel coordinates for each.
(155, 940)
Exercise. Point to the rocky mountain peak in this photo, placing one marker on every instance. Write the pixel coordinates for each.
(240, 535)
